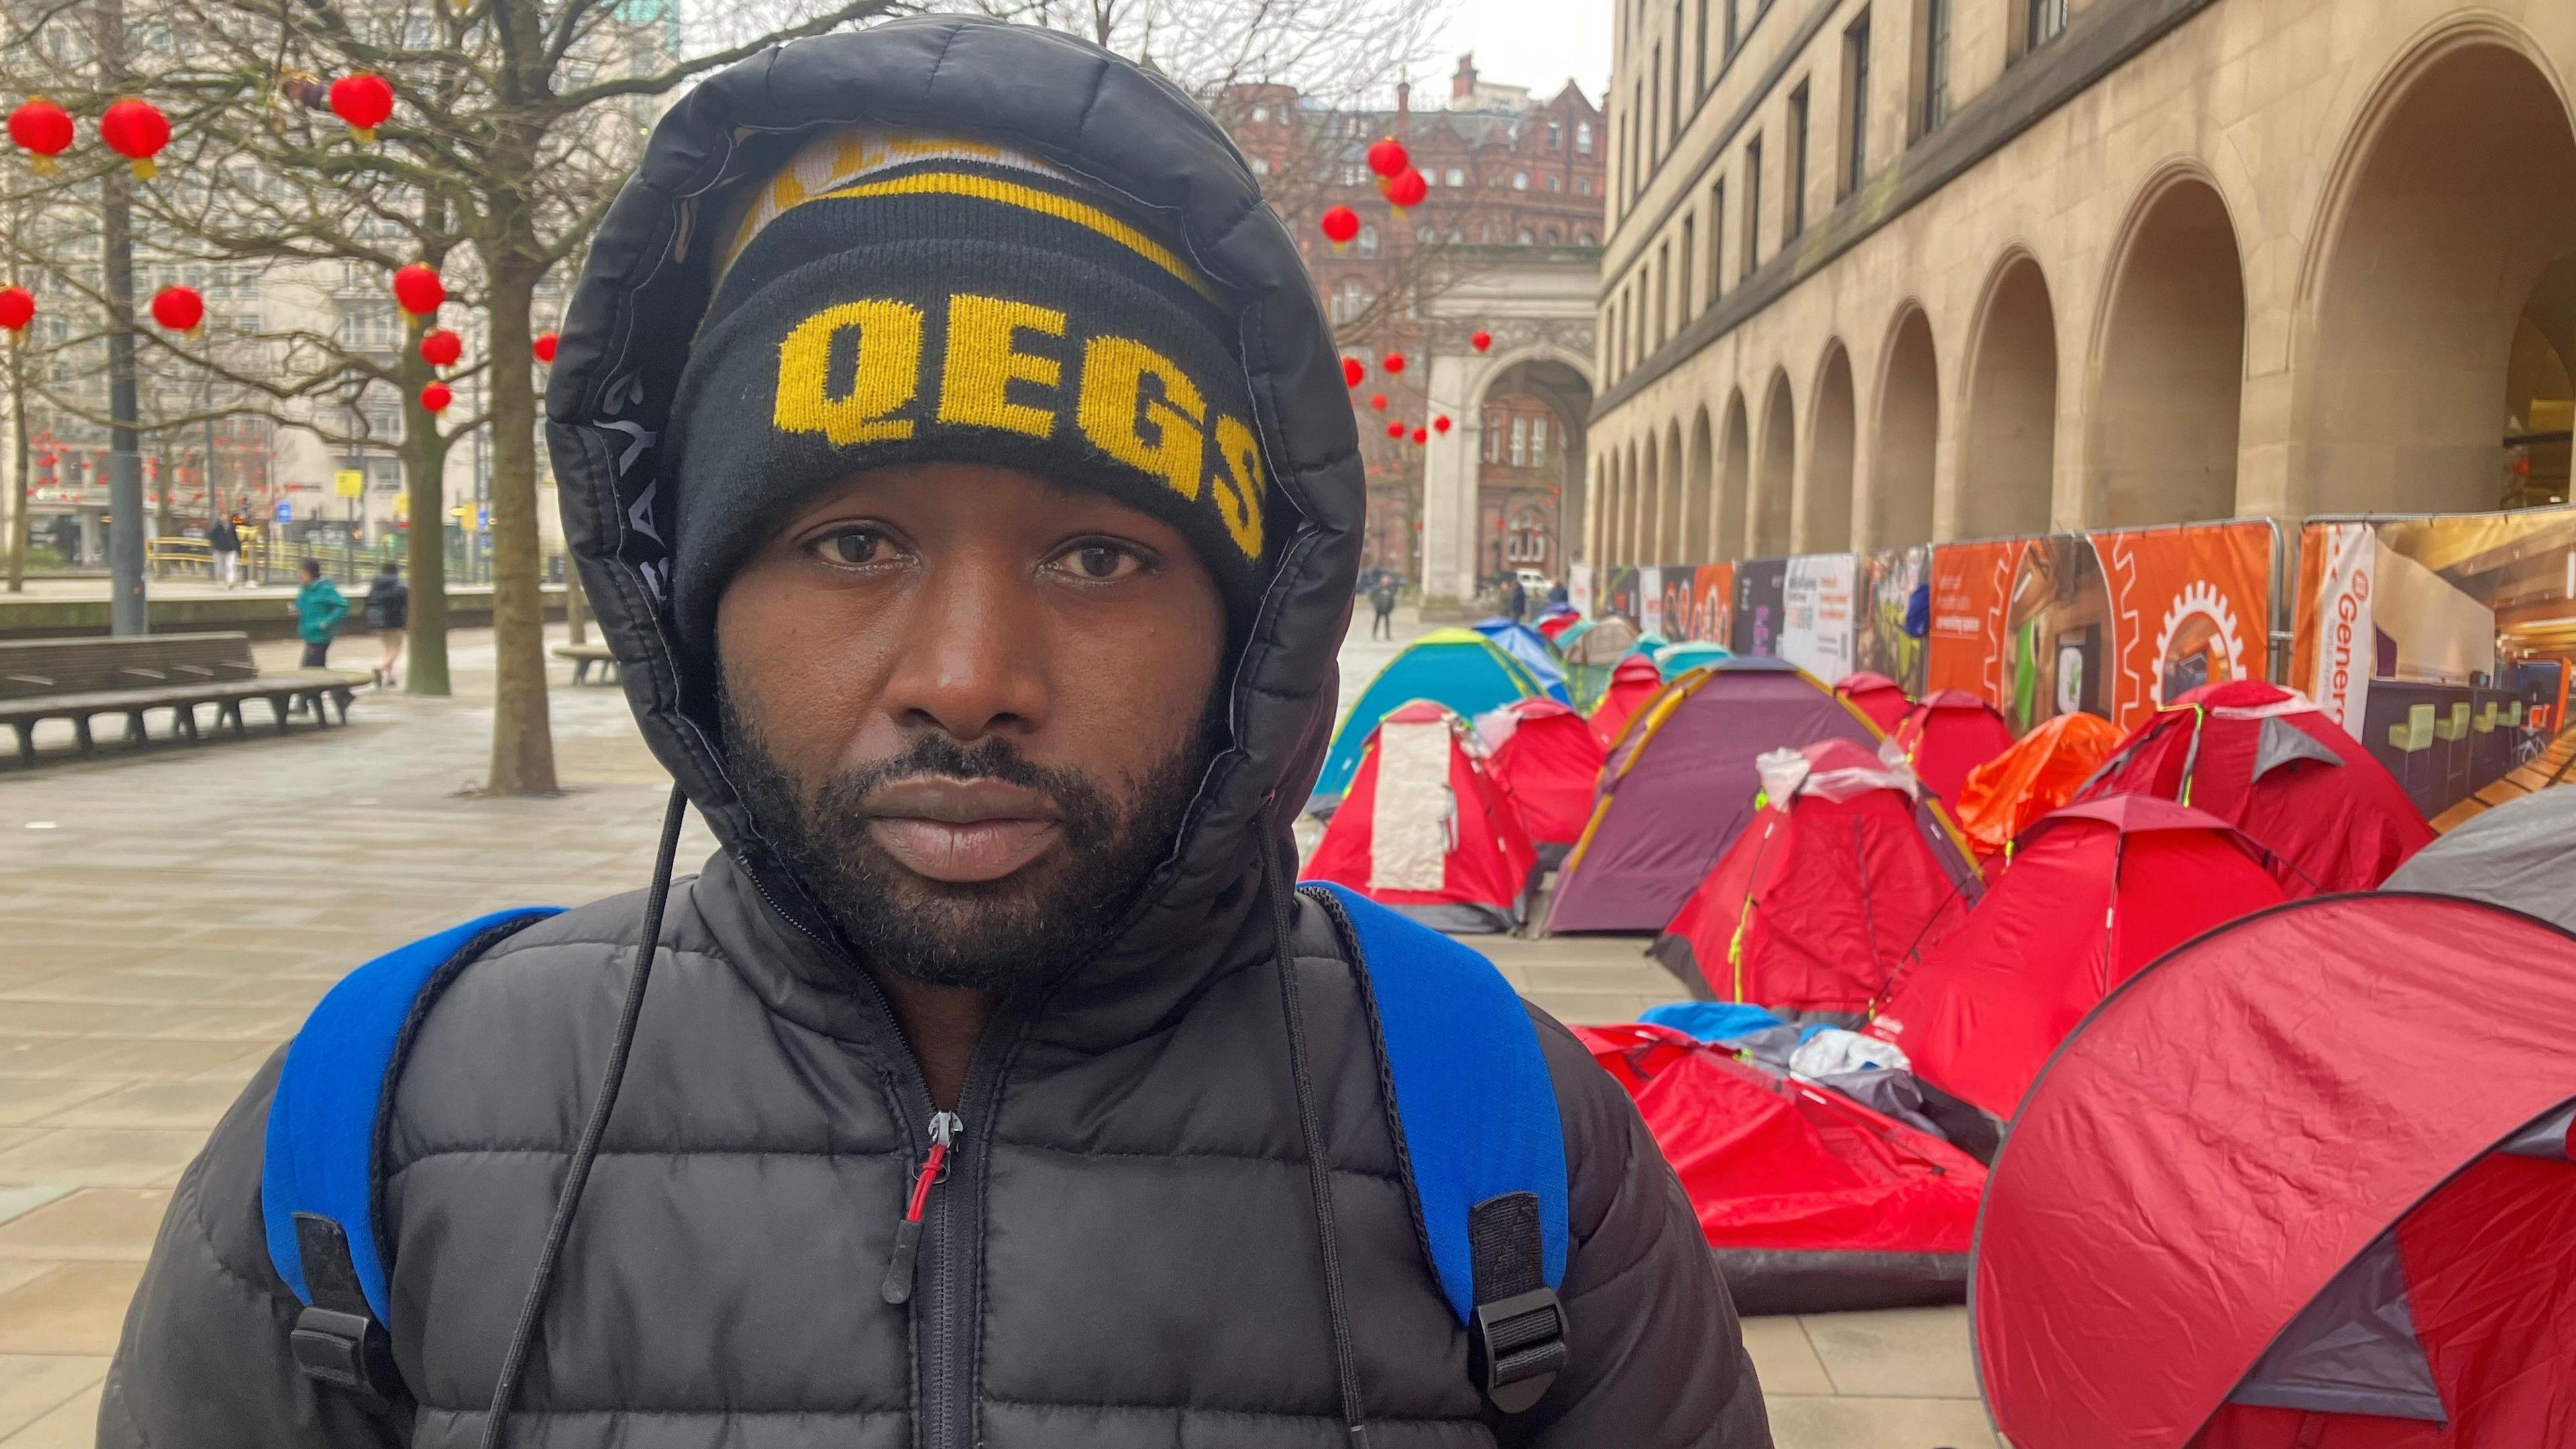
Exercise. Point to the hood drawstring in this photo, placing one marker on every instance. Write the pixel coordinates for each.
(586, 1149)
(1319, 1169)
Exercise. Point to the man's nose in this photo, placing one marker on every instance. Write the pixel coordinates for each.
(972, 662)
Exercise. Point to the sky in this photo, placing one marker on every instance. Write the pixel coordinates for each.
(1536, 43)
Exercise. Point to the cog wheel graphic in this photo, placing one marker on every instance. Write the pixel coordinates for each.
(2201, 624)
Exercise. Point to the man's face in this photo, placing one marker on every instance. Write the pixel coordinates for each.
(970, 706)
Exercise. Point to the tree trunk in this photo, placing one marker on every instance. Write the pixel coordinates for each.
(21, 456)
(523, 753)
(424, 464)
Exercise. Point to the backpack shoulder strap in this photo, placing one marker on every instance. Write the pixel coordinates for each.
(317, 1185)
(1476, 1116)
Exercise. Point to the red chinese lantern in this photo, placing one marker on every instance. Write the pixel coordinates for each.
(418, 290)
(364, 100)
(1377, 400)
(1340, 225)
(1480, 339)
(1393, 362)
(43, 130)
(135, 129)
(440, 347)
(1388, 159)
(544, 347)
(1440, 424)
(436, 397)
(1353, 370)
(1395, 429)
(17, 307)
(1406, 191)
(178, 308)
(1420, 437)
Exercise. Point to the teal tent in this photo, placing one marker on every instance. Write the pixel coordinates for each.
(1676, 660)
(1458, 668)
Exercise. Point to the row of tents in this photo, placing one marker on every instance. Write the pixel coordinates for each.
(2130, 973)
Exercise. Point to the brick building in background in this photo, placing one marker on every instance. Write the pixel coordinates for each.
(1511, 178)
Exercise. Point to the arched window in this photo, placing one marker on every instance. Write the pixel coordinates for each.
(1368, 241)
(1425, 234)
(1526, 239)
(1583, 239)
(1457, 176)
(1349, 300)
(1526, 541)
(1520, 181)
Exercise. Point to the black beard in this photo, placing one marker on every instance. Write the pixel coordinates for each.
(984, 935)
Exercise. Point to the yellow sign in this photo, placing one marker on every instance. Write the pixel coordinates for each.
(349, 483)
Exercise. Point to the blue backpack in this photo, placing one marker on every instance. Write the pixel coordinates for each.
(1474, 1104)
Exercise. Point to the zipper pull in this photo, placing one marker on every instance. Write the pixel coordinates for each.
(945, 1128)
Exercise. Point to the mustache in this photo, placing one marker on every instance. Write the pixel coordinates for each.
(940, 756)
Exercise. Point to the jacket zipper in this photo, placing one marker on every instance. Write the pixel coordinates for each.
(945, 1129)
(944, 1387)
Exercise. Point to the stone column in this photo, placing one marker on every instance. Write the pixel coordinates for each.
(1449, 493)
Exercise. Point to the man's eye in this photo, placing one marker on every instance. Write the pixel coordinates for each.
(854, 547)
(1100, 562)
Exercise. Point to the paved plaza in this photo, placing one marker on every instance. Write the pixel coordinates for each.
(167, 915)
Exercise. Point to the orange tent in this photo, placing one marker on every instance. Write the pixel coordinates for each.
(2006, 794)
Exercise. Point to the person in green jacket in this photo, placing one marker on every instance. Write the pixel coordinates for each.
(319, 608)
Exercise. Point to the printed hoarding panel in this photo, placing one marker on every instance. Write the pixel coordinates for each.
(1887, 638)
(1712, 605)
(1816, 613)
(1650, 600)
(1759, 584)
(2445, 645)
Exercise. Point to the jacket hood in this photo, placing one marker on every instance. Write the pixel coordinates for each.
(645, 288)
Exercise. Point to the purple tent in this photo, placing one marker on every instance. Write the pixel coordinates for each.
(1678, 788)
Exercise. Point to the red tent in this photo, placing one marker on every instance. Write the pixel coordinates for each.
(1875, 695)
(2304, 1182)
(2270, 763)
(1632, 682)
(1814, 904)
(1425, 832)
(1812, 1202)
(1546, 761)
(2008, 794)
(2093, 894)
(1554, 624)
(1947, 734)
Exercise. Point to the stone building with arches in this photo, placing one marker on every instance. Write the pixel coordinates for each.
(1888, 272)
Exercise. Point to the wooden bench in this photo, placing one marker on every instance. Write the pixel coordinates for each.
(76, 679)
(583, 656)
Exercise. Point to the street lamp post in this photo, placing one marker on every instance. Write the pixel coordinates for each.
(128, 612)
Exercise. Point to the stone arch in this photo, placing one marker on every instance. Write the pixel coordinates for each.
(1699, 541)
(1825, 504)
(1668, 527)
(1909, 435)
(2008, 448)
(2168, 374)
(2449, 223)
(1734, 478)
(1776, 471)
(1650, 503)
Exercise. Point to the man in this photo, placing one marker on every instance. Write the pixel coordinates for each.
(223, 542)
(319, 607)
(1382, 606)
(977, 535)
(388, 613)
(1515, 597)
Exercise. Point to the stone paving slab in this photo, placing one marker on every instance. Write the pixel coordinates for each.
(181, 909)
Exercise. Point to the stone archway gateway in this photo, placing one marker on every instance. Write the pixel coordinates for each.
(1777, 471)
(2008, 460)
(2446, 267)
(1825, 502)
(1539, 311)
(1909, 436)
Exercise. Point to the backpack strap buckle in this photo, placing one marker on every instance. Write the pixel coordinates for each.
(1516, 1347)
(336, 1339)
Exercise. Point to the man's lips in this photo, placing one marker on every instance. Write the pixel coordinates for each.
(961, 831)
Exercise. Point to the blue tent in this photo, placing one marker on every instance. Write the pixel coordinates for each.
(1465, 671)
(1531, 648)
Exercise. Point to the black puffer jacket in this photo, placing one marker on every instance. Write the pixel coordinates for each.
(1126, 1251)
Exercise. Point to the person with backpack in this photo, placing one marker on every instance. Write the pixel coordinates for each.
(1382, 606)
(389, 614)
(223, 551)
(953, 439)
(319, 607)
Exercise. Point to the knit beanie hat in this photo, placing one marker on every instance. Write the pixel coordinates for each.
(890, 298)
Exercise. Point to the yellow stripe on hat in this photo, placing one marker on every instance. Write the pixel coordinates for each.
(1028, 198)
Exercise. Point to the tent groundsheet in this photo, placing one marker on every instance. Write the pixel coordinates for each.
(1812, 1202)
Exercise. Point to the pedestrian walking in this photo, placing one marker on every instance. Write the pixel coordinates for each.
(1382, 605)
(319, 607)
(388, 613)
(223, 546)
(992, 1084)
(1515, 598)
